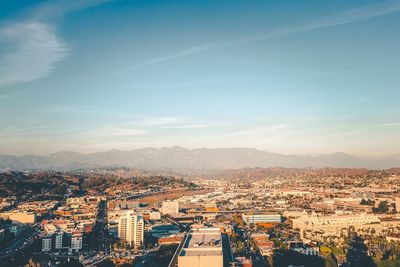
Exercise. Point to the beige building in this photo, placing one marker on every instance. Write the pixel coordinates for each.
(202, 248)
(154, 215)
(397, 204)
(170, 207)
(261, 218)
(21, 217)
(333, 223)
(131, 229)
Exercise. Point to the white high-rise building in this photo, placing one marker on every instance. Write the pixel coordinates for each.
(76, 242)
(131, 229)
(170, 207)
(59, 240)
(46, 243)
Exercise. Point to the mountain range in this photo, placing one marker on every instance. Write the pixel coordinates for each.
(200, 159)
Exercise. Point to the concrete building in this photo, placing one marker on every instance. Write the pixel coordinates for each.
(204, 247)
(397, 204)
(53, 241)
(76, 200)
(261, 218)
(20, 216)
(332, 223)
(58, 240)
(170, 207)
(155, 215)
(317, 221)
(299, 246)
(47, 243)
(131, 229)
(76, 242)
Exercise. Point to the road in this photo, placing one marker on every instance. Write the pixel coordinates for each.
(228, 256)
(257, 259)
(100, 233)
(24, 239)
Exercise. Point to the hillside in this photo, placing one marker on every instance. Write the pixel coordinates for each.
(198, 159)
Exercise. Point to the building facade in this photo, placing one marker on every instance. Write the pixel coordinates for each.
(169, 207)
(261, 218)
(131, 229)
(202, 248)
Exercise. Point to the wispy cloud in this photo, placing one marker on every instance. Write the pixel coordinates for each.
(54, 9)
(185, 126)
(37, 49)
(389, 124)
(35, 42)
(338, 19)
(188, 83)
(116, 132)
(257, 131)
(155, 121)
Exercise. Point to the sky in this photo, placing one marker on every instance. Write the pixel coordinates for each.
(293, 77)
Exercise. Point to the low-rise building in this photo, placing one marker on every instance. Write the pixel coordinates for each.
(306, 249)
(21, 217)
(202, 248)
(332, 223)
(262, 218)
(169, 207)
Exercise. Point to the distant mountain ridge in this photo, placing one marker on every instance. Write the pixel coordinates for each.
(199, 158)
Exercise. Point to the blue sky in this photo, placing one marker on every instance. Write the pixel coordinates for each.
(283, 76)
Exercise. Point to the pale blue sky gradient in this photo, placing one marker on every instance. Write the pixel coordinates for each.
(282, 76)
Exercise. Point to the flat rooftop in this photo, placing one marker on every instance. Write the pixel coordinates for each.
(202, 244)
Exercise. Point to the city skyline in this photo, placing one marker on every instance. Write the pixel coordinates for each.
(291, 78)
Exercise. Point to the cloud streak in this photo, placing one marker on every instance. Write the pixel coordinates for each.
(58, 8)
(36, 47)
(338, 19)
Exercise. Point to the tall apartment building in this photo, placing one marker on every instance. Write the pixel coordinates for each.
(76, 242)
(53, 241)
(131, 229)
(47, 243)
(170, 207)
(58, 240)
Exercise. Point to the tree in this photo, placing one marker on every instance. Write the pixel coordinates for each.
(357, 255)
(368, 202)
(383, 207)
(31, 263)
(106, 263)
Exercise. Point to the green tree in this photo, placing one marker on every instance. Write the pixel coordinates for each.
(383, 207)
(357, 255)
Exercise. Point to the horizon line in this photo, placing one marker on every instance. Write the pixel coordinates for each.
(308, 154)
